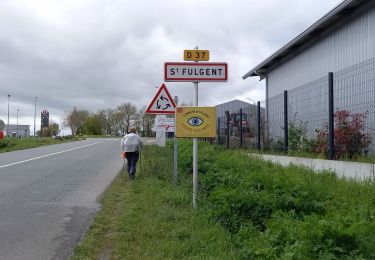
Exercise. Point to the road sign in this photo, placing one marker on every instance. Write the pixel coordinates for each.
(163, 124)
(2, 125)
(162, 103)
(196, 55)
(195, 71)
(195, 122)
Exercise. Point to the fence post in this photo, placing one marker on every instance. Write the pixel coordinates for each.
(331, 120)
(240, 126)
(258, 126)
(228, 118)
(285, 121)
(218, 131)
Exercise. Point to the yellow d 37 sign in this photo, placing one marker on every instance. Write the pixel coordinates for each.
(196, 55)
(195, 122)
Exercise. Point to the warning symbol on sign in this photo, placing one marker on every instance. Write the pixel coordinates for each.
(162, 103)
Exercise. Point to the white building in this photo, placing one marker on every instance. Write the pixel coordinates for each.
(342, 42)
(17, 130)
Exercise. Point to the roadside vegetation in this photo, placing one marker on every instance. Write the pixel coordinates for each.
(351, 140)
(248, 209)
(13, 144)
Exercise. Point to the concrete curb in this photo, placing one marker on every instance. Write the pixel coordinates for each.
(353, 170)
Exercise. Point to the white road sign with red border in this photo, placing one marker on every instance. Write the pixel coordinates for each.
(195, 71)
(162, 103)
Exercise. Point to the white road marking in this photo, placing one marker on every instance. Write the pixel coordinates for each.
(48, 155)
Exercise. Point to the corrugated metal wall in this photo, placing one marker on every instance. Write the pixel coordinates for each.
(231, 106)
(354, 91)
(349, 44)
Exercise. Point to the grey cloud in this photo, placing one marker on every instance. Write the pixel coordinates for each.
(97, 54)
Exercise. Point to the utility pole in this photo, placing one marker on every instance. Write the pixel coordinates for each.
(35, 114)
(17, 121)
(8, 114)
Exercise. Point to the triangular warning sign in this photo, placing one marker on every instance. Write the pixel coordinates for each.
(162, 103)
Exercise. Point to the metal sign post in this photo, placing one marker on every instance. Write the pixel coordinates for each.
(175, 150)
(195, 151)
(195, 72)
(195, 154)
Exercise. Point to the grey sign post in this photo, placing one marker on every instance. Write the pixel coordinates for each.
(195, 72)
(175, 150)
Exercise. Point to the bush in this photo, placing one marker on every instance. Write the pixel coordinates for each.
(297, 135)
(3, 143)
(349, 137)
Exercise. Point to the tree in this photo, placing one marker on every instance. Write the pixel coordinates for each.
(145, 122)
(92, 125)
(349, 137)
(75, 120)
(127, 112)
(53, 128)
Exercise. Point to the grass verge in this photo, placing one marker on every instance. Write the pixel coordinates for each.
(149, 218)
(14, 144)
(248, 209)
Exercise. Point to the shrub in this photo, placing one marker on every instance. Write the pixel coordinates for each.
(3, 143)
(349, 138)
(297, 135)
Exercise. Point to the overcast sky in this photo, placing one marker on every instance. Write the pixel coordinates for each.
(97, 54)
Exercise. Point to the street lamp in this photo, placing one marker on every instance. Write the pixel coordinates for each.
(8, 114)
(17, 121)
(35, 114)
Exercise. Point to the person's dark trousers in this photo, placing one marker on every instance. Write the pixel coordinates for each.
(132, 158)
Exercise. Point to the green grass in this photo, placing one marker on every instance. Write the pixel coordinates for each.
(14, 144)
(248, 209)
(149, 218)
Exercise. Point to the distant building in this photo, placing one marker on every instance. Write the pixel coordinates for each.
(18, 131)
(231, 106)
(249, 115)
(341, 42)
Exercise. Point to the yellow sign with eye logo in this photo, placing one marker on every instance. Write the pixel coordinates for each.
(195, 122)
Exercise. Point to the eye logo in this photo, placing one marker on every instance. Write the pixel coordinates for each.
(195, 121)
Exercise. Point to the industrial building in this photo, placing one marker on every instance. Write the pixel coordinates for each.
(247, 124)
(17, 130)
(341, 42)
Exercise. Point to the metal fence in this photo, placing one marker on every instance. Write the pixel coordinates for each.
(240, 128)
(307, 107)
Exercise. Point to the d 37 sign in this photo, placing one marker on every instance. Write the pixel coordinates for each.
(196, 55)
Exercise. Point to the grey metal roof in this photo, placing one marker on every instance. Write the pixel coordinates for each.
(315, 30)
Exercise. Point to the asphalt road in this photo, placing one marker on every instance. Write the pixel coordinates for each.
(50, 195)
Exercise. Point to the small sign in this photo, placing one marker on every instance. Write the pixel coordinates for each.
(162, 103)
(163, 124)
(196, 55)
(195, 122)
(195, 71)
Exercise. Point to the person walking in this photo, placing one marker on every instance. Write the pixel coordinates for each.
(131, 145)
